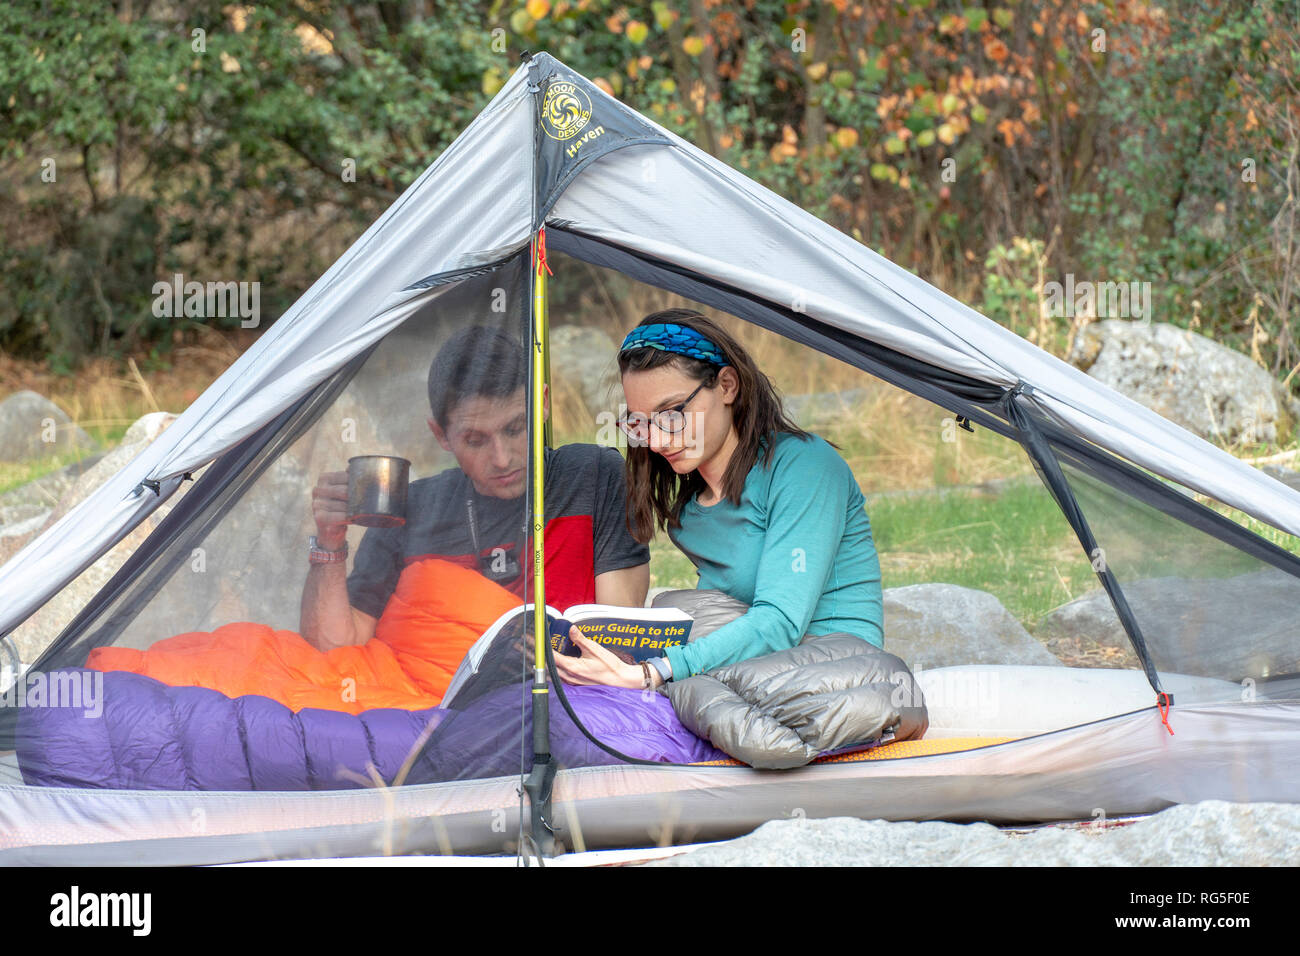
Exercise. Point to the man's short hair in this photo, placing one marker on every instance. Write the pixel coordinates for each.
(475, 362)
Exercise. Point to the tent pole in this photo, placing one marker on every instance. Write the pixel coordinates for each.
(539, 780)
(1049, 470)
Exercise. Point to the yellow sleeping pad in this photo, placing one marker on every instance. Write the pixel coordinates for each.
(892, 751)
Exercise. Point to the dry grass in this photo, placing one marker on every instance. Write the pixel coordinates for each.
(104, 396)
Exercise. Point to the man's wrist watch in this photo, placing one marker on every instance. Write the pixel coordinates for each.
(318, 555)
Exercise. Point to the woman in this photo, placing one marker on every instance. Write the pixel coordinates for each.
(768, 513)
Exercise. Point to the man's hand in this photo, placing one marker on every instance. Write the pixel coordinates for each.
(599, 666)
(329, 506)
(327, 618)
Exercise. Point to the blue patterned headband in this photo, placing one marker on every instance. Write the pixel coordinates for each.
(670, 337)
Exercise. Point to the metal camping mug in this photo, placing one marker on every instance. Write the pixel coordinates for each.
(377, 490)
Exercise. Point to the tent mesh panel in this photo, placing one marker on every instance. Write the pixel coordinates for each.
(1205, 608)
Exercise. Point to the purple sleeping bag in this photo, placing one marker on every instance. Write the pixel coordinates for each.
(483, 740)
(151, 736)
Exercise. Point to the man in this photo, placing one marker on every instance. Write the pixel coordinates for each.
(474, 514)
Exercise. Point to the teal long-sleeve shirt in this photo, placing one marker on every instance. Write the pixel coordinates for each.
(797, 549)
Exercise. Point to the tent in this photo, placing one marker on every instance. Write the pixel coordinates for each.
(1212, 712)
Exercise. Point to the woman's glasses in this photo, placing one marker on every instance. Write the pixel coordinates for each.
(670, 421)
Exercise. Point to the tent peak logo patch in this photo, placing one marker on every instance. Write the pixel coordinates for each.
(565, 110)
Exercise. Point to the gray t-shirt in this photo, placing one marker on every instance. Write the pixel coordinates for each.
(585, 534)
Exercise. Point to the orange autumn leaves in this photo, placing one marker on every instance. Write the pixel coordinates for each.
(931, 78)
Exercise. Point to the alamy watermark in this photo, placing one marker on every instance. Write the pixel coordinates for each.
(971, 692)
(76, 908)
(75, 689)
(211, 300)
(1113, 300)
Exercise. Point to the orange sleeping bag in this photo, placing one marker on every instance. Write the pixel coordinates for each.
(438, 610)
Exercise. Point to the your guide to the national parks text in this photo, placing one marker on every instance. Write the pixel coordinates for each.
(632, 634)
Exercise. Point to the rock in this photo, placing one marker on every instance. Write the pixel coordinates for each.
(1087, 629)
(137, 438)
(40, 495)
(147, 428)
(1232, 627)
(31, 426)
(24, 511)
(1285, 475)
(941, 625)
(585, 361)
(250, 565)
(37, 632)
(1209, 389)
(26, 527)
(1211, 833)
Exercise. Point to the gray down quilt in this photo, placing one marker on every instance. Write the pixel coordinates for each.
(784, 709)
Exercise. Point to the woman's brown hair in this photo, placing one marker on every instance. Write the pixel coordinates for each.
(656, 493)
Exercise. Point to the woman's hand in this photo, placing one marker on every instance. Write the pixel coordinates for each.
(599, 666)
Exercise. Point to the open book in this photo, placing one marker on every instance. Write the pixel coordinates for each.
(504, 653)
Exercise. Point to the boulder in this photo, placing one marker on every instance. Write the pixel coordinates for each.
(250, 564)
(1209, 389)
(941, 625)
(32, 427)
(1287, 476)
(22, 506)
(138, 437)
(38, 631)
(26, 511)
(147, 428)
(1234, 627)
(1087, 631)
(585, 361)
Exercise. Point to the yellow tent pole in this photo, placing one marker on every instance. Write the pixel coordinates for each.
(538, 783)
(547, 436)
(539, 430)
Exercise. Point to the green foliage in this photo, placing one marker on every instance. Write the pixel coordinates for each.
(1170, 205)
(180, 138)
(1011, 294)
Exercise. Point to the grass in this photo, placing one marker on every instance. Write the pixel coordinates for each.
(1015, 544)
(16, 474)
